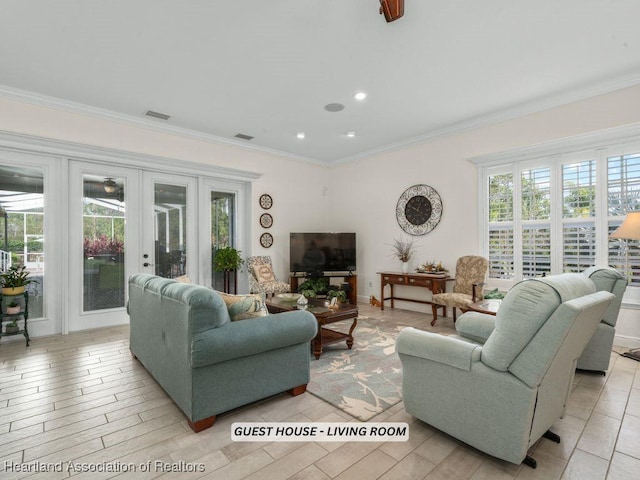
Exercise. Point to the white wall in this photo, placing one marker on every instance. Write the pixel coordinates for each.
(366, 191)
(359, 196)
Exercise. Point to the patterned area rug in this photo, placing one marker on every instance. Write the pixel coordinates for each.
(365, 380)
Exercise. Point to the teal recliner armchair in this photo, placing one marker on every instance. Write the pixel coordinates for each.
(597, 353)
(206, 363)
(501, 383)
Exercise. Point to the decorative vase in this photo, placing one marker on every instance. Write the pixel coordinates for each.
(302, 302)
(405, 267)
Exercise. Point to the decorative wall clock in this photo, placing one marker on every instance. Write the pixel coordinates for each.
(266, 220)
(266, 240)
(419, 210)
(266, 201)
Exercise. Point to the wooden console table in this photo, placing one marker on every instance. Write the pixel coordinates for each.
(434, 283)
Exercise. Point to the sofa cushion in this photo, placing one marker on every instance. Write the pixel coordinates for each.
(241, 307)
(264, 273)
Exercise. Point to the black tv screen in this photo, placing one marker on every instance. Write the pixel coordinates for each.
(322, 252)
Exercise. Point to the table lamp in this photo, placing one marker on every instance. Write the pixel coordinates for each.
(628, 230)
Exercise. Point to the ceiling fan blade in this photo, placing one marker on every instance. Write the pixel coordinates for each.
(392, 9)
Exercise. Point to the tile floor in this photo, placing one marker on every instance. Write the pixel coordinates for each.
(81, 398)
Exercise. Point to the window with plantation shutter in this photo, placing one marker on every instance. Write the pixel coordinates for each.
(551, 209)
(536, 251)
(578, 215)
(501, 251)
(501, 259)
(536, 229)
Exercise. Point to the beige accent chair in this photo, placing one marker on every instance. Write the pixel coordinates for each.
(262, 279)
(471, 272)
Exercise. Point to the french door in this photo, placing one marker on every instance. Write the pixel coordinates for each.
(122, 221)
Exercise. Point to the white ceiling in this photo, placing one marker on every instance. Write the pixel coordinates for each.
(268, 68)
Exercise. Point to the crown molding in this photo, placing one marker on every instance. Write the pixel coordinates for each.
(20, 142)
(521, 110)
(584, 141)
(498, 116)
(24, 96)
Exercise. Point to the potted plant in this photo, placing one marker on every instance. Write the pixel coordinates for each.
(15, 280)
(12, 327)
(340, 294)
(13, 307)
(312, 287)
(227, 259)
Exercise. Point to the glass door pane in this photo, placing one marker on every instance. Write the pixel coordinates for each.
(170, 226)
(103, 227)
(223, 213)
(22, 236)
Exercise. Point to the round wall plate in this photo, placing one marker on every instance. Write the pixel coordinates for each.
(266, 201)
(266, 220)
(266, 240)
(419, 210)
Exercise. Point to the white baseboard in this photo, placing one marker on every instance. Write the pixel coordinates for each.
(628, 342)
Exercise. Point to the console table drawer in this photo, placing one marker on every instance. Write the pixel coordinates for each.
(421, 282)
(394, 279)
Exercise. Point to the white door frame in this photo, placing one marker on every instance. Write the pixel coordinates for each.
(147, 238)
(242, 192)
(77, 318)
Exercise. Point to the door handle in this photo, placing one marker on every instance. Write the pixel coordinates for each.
(147, 264)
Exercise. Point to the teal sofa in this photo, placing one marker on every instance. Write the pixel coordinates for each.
(206, 363)
(501, 382)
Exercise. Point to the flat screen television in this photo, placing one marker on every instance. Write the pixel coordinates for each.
(322, 253)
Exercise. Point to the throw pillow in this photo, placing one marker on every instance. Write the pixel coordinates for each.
(241, 307)
(264, 273)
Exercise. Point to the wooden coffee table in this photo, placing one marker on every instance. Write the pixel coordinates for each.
(324, 316)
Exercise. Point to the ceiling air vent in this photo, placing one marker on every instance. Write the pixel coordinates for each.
(162, 116)
(243, 136)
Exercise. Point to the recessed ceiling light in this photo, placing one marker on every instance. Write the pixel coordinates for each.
(360, 96)
(351, 134)
(300, 135)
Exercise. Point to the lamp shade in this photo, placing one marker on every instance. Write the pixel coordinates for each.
(630, 228)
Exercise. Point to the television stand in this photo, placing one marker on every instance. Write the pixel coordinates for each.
(348, 277)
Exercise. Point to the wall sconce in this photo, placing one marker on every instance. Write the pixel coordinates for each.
(110, 186)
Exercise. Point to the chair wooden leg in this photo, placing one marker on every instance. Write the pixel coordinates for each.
(454, 315)
(434, 312)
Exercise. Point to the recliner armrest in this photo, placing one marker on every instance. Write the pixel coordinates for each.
(252, 336)
(438, 348)
(475, 326)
